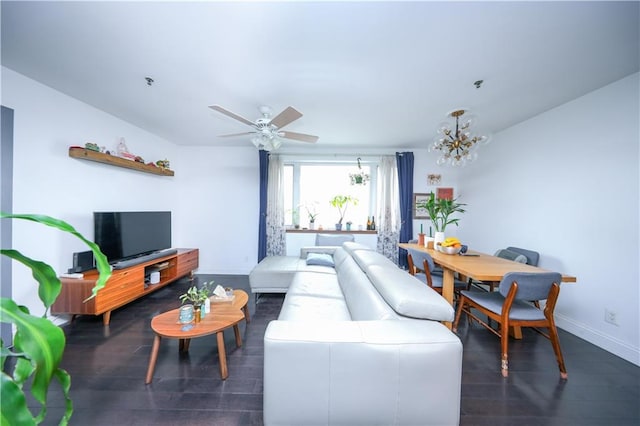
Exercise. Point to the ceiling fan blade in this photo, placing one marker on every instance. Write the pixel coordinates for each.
(237, 134)
(232, 115)
(287, 116)
(298, 136)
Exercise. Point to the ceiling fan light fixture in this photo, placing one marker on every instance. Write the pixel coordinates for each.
(267, 130)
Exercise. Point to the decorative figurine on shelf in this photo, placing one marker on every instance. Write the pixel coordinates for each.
(123, 151)
(163, 164)
(92, 146)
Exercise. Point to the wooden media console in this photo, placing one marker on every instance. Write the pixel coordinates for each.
(124, 286)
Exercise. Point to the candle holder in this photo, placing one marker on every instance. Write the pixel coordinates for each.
(421, 240)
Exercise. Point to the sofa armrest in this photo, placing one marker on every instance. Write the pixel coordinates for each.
(304, 251)
(326, 372)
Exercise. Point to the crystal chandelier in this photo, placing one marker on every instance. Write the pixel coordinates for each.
(457, 147)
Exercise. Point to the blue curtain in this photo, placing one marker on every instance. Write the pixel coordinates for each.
(405, 181)
(262, 223)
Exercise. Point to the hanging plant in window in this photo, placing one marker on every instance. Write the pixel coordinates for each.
(359, 178)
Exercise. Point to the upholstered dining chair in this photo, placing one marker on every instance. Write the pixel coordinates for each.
(504, 254)
(510, 307)
(532, 256)
(422, 266)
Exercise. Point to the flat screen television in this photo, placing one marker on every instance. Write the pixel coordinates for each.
(126, 235)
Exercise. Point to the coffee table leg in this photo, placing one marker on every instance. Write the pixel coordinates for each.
(183, 345)
(247, 317)
(153, 359)
(236, 330)
(222, 355)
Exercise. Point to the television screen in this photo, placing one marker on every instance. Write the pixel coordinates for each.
(124, 235)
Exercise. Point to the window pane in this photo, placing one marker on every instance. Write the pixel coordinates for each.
(320, 183)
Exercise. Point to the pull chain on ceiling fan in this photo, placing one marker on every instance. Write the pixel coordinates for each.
(267, 132)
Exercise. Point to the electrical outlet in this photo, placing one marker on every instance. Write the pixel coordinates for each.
(610, 316)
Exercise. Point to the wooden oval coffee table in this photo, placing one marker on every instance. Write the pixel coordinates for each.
(223, 315)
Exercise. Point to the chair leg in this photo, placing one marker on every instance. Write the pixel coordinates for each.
(504, 343)
(555, 342)
(461, 301)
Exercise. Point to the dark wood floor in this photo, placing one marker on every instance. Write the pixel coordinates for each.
(108, 367)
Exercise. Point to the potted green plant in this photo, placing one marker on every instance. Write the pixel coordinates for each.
(197, 296)
(38, 344)
(312, 214)
(341, 202)
(440, 211)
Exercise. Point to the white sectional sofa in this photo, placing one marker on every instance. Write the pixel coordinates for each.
(275, 273)
(360, 343)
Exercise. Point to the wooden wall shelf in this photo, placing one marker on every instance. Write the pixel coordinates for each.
(87, 154)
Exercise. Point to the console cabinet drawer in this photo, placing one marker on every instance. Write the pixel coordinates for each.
(123, 286)
(187, 262)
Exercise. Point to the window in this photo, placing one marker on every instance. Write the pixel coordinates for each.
(310, 186)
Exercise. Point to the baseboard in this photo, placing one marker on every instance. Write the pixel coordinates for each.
(608, 343)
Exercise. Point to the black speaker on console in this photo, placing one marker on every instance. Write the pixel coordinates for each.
(82, 261)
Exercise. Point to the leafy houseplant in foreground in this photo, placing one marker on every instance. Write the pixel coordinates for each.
(38, 344)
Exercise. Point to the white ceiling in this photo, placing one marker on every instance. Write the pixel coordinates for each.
(364, 74)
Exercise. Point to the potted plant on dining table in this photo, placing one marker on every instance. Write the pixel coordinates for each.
(440, 212)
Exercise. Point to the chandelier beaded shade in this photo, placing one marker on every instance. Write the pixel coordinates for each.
(457, 146)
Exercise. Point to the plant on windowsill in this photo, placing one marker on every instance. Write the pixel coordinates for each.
(312, 213)
(341, 202)
(38, 344)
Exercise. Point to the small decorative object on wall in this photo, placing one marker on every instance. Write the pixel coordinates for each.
(419, 201)
(444, 193)
(360, 177)
(433, 179)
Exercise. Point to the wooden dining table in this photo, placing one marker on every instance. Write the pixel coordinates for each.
(476, 265)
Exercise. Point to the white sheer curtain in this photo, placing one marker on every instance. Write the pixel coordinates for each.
(276, 234)
(388, 214)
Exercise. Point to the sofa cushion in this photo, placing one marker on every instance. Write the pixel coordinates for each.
(333, 239)
(321, 259)
(274, 273)
(301, 308)
(366, 258)
(304, 251)
(363, 300)
(407, 295)
(351, 247)
(314, 284)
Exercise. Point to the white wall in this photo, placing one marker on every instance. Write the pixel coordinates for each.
(213, 195)
(566, 183)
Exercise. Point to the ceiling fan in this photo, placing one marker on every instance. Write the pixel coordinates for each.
(267, 131)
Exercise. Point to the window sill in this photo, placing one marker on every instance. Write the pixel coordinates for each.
(328, 231)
